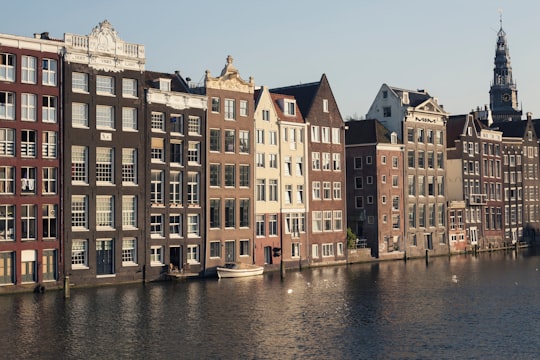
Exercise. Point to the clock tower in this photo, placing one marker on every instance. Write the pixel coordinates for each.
(503, 93)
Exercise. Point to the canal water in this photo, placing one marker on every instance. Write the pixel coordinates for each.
(485, 307)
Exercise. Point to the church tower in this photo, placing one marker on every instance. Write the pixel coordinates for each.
(503, 92)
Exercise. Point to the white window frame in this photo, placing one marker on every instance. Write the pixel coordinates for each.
(79, 82)
(49, 144)
(7, 179)
(79, 212)
(129, 88)
(129, 212)
(129, 119)
(49, 72)
(105, 117)
(79, 164)
(79, 254)
(104, 165)
(105, 85)
(49, 180)
(104, 212)
(129, 251)
(79, 115)
(28, 107)
(7, 105)
(156, 256)
(7, 67)
(29, 69)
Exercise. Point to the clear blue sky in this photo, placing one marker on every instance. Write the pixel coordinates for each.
(445, 47)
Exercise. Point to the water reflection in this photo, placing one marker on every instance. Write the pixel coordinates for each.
(384, 310)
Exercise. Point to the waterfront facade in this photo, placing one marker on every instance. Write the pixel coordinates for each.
(103, 144)
(30, 116)
(420, 124)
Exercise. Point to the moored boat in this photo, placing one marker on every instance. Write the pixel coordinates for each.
(234, 270)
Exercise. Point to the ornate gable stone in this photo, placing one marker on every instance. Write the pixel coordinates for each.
(229, 79)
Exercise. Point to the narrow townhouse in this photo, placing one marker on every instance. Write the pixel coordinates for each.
(325, 138)
(375, 192)
(230, 168)
(420, 124)
(176, 174)
(30, 199)
(104, 191)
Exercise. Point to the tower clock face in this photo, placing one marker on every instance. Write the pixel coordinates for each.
(506, 97)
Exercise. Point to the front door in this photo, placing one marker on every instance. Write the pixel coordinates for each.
(104, 257)
(267, 254)
(473, 235)
(230, 253)
(175, 256)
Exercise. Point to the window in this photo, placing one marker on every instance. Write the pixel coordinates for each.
(229, 140)
(129, 166)
(7, 67)
(49, 265)
(28, 143)
(244, 212)
(244, 176)
(28, 107)
(29, 69)
(336, 136)
(193, 225)
(387, 111)
(337, 190)
(177, 152)
(49, 109)
(215, 140)
(48, 145)
(336, 161)
(79, 254)
(327, 220)
(288, 194)
(79, 116)
(266, 115)
(326, 190)
(193, 183)
(216, 105)
(104, 211)
(261, 190)
(287, 167)
(7, 105)
(316, 161)
(299, 194)
(7, 222)
(49, 72)
(194, 125)
(28, 222)
(28, 180)
(7, 142)
(316, 222)
(272, 161)
(338, 220)
(215, 174)
(272, 225)
(193, 254)
(394, 162)
(156, 187)
(194, 153)
(325, 134)
(79, 82)
(129, 119)
(175, 225)
(273, 190)
(229, 175)
(158, 121)
(129, 88)
(104, 85)
(299, 166)
(79, 164)
(230, 109)
(156, 150)
(326, 161)
(243, 108)
(420, 135)
(79, 216)
(215, 249)
(156, 256)
(395, 180)
(129, 251)
(327, 250)
(129, 212)
(175, 188)
(244, 141)
(215, 213)
(260, 225)
(104, 117)
(315, 135)
(229, 213)
(104, 165)
(295, 250)
(272, 135)
(49, 176)
(156, 225)
(316, 190)
(7, 180)
(177, 123)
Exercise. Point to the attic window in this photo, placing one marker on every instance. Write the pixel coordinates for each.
(164, 84)
(385, 94)
(325, 105)
(393, 138)
(290, 107)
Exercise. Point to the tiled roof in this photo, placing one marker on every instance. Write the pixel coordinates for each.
(303, 93)
(366, 132)
(281, 115)
(416, 97)
(510, 128)
(178, 84)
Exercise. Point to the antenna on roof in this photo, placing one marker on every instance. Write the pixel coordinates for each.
(500, 16)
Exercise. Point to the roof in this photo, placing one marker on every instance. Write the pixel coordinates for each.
(281, 115)
(367, 131)
(303, 93)
(511, 128)
(416, 97)
(178, 84)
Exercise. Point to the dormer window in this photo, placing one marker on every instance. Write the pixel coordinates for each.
(164, 84)
(290, 107)
(393, 138)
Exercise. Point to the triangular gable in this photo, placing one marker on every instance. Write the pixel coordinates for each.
(430, 105)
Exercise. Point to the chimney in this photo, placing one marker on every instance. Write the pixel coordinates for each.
(529, 115)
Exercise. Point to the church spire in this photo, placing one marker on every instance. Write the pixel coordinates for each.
(503, 92)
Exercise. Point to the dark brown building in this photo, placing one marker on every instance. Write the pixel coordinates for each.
(104, 191)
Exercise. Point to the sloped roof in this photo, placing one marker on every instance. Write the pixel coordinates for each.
(454, 128)
(366, 132)
(303, 93)
(178, 84)
(511, 128)
(416, 97)
(281, 115)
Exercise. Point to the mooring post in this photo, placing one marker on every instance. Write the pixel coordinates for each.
(66, 287)
(427, 256)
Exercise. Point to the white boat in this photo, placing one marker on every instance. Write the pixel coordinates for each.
(234, 270)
